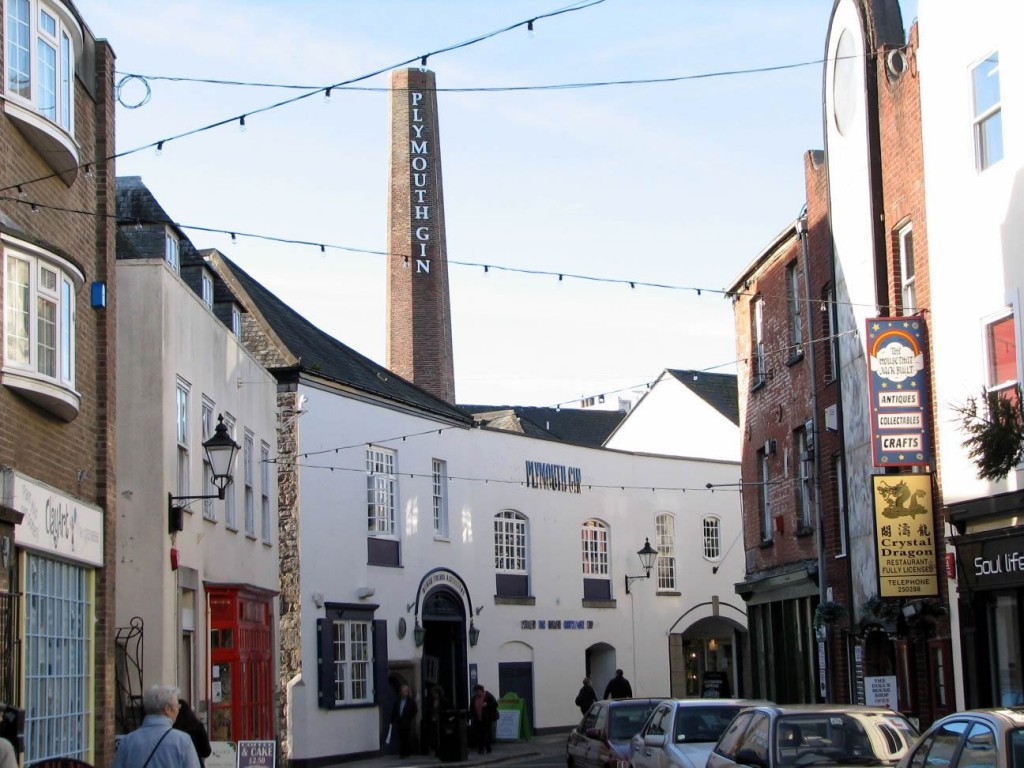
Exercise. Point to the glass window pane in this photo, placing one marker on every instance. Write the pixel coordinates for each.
(19, 78)
(980, 748)
(46, 326)
(47, 23)
(1002, 351)
(990, 140)
(65, 82)
(66, 333)
(46, 56)
(17, 300)
(986, 85)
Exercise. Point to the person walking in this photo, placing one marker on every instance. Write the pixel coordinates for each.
(618, 687)
(586, 696)
(156, 743)
(483, 712)
(403, 721)
(188, 722)
(434, 707)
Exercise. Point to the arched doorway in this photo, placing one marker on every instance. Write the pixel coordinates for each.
(706, 659)
(600, 665)
(443, 618)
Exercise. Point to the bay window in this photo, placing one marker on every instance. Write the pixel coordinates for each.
(43, 41)
(39, 326)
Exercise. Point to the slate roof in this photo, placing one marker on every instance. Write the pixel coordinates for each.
(322, 355)
(570, 425)
(716, 389)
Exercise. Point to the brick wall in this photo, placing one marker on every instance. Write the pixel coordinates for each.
(76, 457)
(419, 333)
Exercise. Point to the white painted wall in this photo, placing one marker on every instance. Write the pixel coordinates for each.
(487, 470)
(975, 219)
(851, 219)
(673, 420)
(165, 331)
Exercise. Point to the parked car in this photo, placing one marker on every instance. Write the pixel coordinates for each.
(814, 734)
(681, 732)
(981, 738)
(601, 740)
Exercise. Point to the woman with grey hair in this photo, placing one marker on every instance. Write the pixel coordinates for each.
(156, 744)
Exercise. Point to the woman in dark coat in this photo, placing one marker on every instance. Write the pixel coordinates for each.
(586, 696)
(193, 726)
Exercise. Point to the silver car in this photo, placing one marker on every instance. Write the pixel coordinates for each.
(681, 732)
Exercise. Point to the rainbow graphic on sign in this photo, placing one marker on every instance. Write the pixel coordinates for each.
(897, 375)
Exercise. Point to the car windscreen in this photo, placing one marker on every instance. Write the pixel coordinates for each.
(703, 724)
(625, 720)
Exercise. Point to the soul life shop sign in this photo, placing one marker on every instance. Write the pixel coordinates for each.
(896, 386)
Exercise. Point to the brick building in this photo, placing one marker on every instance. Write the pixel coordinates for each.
(814, 525)
(899, 634)
(57, 399)
(788, 393)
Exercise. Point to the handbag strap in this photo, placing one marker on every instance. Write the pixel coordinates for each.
(156, 747)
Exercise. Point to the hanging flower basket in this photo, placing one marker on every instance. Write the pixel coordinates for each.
(828, 613)
(879, 611)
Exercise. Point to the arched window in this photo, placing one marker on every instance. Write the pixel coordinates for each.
(712, 538)
(511, 554)
(664, 526)
(596, 580)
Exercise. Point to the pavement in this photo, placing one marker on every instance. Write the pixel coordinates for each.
(503, 752)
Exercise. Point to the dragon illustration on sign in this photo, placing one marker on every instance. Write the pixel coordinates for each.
(896, 497)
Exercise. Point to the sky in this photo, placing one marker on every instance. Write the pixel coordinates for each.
(680, 184)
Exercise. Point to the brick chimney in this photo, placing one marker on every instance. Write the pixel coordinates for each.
(419, 309)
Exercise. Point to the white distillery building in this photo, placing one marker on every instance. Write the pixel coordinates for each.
(418, 548)
(196, 607)
(972, 114)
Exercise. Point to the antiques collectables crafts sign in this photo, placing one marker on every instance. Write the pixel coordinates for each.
(896, 384)
(905, 535)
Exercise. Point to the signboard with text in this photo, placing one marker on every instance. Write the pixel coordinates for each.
(256, 753)
(896, 385)
(991, 562)
(905, 536)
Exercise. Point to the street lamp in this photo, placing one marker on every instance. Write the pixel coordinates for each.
(474, 633)
(647, 556)
(220, 452)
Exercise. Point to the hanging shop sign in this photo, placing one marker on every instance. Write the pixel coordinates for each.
(896, 384)
(905, 536)
(54, 522)
(991, 562)
(554, 477)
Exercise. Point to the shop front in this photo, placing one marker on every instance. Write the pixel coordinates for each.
(990, 575)
(59, 546)
(241, 662)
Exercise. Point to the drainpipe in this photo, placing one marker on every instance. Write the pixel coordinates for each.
(801, 230)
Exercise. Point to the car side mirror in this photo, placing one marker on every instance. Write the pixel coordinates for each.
(750, 757)
(654, 739)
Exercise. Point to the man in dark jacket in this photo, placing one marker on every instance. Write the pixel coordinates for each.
(403, 721)
(618, 687)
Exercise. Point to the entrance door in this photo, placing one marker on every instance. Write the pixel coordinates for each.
(517, 677)
(444, 647)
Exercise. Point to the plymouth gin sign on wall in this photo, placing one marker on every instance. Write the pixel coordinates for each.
(896, 383)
